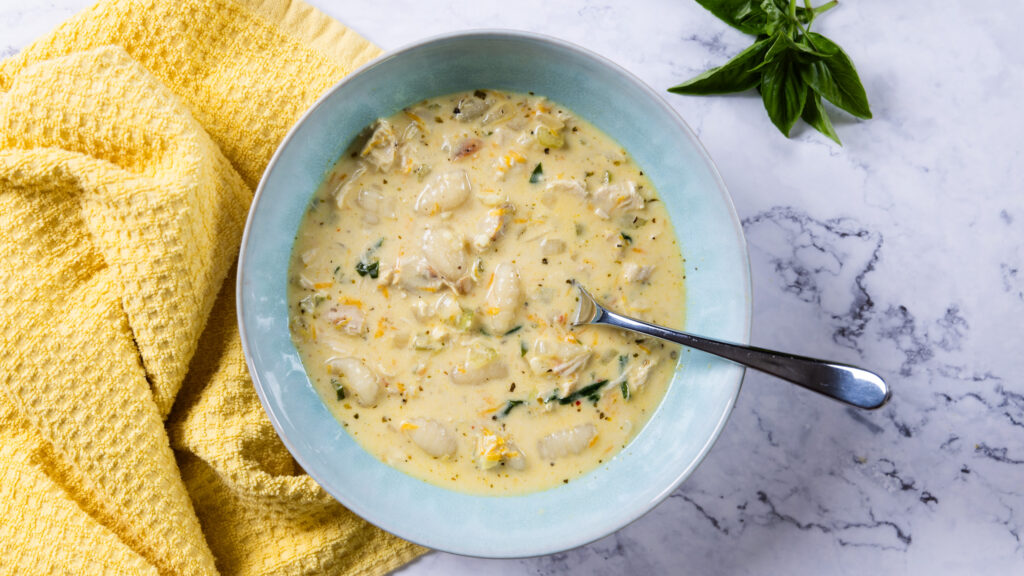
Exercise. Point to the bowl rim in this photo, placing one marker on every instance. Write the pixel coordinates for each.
(657, 99)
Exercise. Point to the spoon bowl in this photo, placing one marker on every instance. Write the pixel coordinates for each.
(855, 386)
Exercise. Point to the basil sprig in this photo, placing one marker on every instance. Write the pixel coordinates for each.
(792, 67)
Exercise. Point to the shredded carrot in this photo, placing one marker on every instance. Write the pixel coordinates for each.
(414, 118)
(382, 327)
(322, 285)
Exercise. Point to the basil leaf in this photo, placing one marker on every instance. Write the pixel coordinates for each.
(776, 20)
(783, 92)
(736, 75)
(815, 116)
(835, 78)
(743, 15)
(780, 45)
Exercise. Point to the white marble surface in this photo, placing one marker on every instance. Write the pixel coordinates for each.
(901, 251)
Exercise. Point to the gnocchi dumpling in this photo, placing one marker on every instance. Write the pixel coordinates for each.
(481, 365)
(444, 192)
(357, 378)
(503, 298)
(567, 442)
(431, 436)
(445, 253)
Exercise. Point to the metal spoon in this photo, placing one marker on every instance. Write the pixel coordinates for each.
(845, 383)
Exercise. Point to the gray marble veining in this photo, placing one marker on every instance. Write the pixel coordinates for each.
(902, 251)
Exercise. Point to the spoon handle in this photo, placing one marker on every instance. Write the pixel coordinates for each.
(855, 386)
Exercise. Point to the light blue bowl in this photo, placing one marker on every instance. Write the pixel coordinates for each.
(700, 397)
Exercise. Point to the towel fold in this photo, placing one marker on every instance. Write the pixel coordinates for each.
(131, 439)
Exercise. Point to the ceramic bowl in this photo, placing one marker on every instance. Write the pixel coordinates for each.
(717, 298)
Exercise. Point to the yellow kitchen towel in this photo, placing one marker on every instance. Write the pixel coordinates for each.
(131, 440)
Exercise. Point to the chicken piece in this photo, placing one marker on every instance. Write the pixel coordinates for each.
(499, 114)
(447, 309)
(410, 151)
(561, 357)
(410, 273)
(348, 185)
(380, 149)
(633, 272)
(564, 186)
(466, 148)
(510, 161)
(504, 295)
(491, 227)
(482, 364)
(347, 318)
(612, 199)
(470, 108)
(566, 442)
(444, 192)
(357, 378)
(639, 374)
(551, 246)
(431, 436)
(493, 449)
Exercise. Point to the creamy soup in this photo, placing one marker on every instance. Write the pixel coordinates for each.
(430, 295)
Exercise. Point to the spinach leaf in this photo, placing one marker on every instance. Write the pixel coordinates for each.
(508, 408)
(339, 390)
(371, 269)
(590, 392)
(537, 175)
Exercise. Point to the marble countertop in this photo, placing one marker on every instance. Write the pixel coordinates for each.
(901, 251)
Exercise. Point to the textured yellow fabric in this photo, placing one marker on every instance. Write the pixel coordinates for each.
(131, 440)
